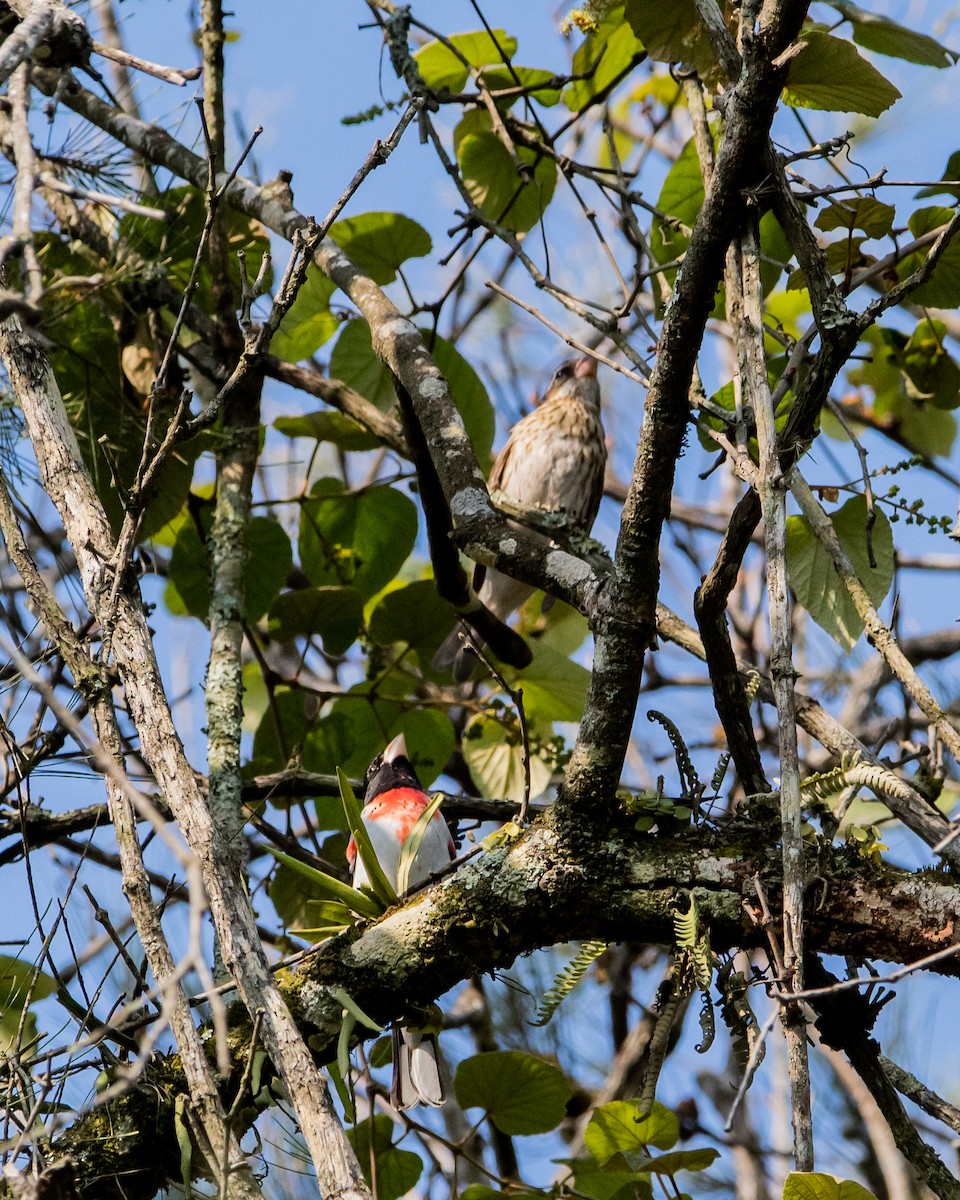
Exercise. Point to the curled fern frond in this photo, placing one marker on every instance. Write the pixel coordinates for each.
(880, 780)
(668, 1009)
(826, 784)
(737, 1014)
(686, 925)
(721, 769)
(691, 781)
(853, 771)
(708, 1024)
(752, 685)
(567, 979)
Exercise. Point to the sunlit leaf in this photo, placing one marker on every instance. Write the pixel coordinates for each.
(811, 1185)
(830, 75)
(494, 757)
(381, 242)
(604, 55)
(816, 583)
(442, 68)
(492, 177)
(618, 1128)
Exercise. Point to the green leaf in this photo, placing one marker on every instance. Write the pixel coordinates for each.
(933, 376)
(520, 1094)
(280, 732)
(614, 1181)
(816, 583)
(382, 887)
(333, 613)
(682, 198)
(603, 55)
(328, 426)
(923, 428)
(673, 33)
(360, 539)
(812, 1185)
(494, 758)
(309, 321)
(942, 289)
(396, 1171)
(16, 993)
(354, 362)
(442, 68)
(675, 1160)
(325, 885)
(540, 84)
(414, 615)
(492, 179)
(269, 559)
(951, 171)
(188, 581)
(554, 687)
(831, 76)
(565, 630)
(380, 242)
(883, 36)
(874, 218)
(618, 1128)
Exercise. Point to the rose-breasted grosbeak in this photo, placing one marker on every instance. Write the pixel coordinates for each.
(393, 801)
(555, 459)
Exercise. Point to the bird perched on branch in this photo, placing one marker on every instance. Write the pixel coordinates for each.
(393, 801)
(554, 459)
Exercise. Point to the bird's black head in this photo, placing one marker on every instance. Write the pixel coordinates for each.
(390, 769)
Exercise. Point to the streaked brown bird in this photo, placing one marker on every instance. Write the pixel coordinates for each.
(554, 459)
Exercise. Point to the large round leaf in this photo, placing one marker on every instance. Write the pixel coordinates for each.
(520, 1094)
(356, 539)
(494, 757)
(618, 1128)
(396, 1171)
(447, 64)
(269, 558)
(818, 586)
(812, 1185)
(309, 322)
(514, 200)
(414, 615)
(830, 75)
(380, 242)
(333, 613)
(354, 362)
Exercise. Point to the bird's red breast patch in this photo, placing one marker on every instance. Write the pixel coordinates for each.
(402, 807)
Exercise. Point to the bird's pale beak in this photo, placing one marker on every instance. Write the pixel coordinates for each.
(396, 749)
(585, 368)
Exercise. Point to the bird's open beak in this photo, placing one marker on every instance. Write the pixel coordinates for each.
(396, 749)
(585, 368)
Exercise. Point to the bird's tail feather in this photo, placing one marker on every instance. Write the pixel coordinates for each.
(416, 1071)
(454, 654)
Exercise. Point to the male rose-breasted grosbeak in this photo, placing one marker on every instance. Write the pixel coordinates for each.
(554, 458)
(393, 802)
